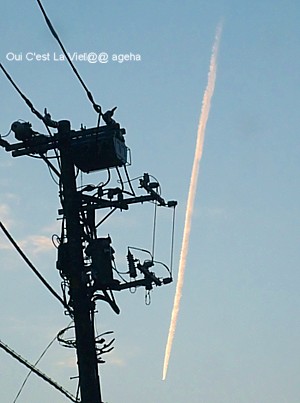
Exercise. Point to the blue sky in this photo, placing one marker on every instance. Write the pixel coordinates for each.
(237, 339)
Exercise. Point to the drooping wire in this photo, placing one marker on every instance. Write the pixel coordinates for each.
(154, 229)
(36, 272)
(35, 364)
(172, 241)
(39, 373)
(52, 177)
(159, 187)
(135, 179)
(5, 135)
(119, 273)
(66, 342)
(122, 182)
(128, 179)
(56, 241)
(120, 178)
(141, 250)
(164, 265)
(96, 107)
(108, 178)
(50, 166)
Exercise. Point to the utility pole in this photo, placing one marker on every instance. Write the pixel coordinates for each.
(80, 300)
(86, 261)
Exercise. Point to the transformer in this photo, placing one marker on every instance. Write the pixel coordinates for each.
(101, 254)
(102, 150)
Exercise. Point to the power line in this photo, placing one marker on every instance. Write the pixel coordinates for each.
(39, 373)
(36, 272)
(27, 101)
(54, 33)
(31, 370)
(45, 119)
(35, 364)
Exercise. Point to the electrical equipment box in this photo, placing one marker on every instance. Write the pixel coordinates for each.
(101, 254)
(102, 150)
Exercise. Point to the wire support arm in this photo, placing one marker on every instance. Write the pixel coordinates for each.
(92, 202)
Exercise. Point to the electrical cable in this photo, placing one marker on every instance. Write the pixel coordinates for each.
(36, 272)
(136, 178)
(105, 217)
(163, 264)
(120, 179)
(141, 250)
(58, 240)
(78, 390)
(129, 181)
(64, 285)
(53, 157)
(37, 371)
(50, 166)
(154, 229)
(35, 364)
(52, 177)
(66, 342)
(29, 104)
(27, 101)
(108, 179)
(96, 107)
(119, 273)
(172, 241)
(159, 187)
(5, 135)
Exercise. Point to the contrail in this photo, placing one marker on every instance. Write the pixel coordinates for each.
(192, 191)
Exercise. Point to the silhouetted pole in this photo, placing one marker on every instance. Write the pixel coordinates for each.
(81, 302)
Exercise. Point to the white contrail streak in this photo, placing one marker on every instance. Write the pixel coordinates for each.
(192, 192)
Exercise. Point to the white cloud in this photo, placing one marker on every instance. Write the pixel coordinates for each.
(116, 361)
(217, 212)
(6, 164)
(52, 228)
(69, 362)
(5, 218)
(5, 214)
(4, 245)
(37, 244)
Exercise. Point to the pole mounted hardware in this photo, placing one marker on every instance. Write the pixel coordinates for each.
(85, 259)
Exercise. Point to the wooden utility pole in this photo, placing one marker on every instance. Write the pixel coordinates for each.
(85, 261)
(81, 302)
